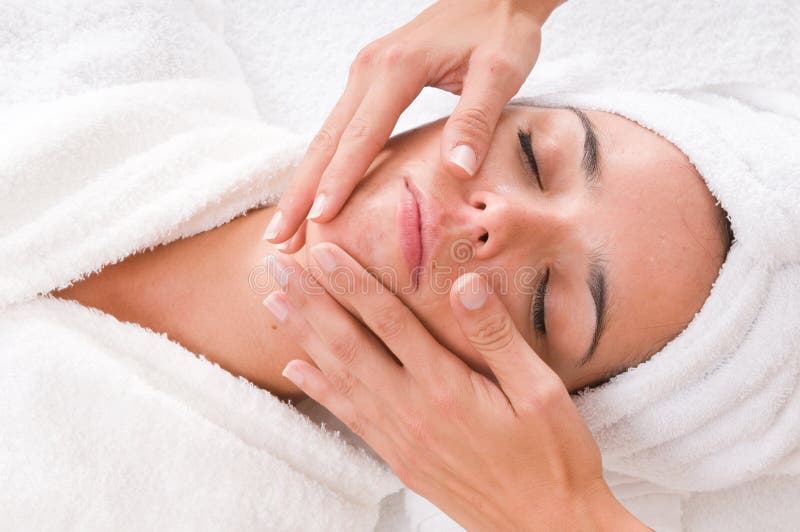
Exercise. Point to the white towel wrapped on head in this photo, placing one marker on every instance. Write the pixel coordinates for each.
(719, 406)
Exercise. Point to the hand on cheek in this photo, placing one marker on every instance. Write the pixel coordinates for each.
(508, 457)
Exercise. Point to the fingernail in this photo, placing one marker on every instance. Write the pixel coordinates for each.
(283, 245)
(324, 258)
(472, 292)
(274, 227)
(293, 374)
(317, 207)
(279, 271)
(276, 306)
(464, 156)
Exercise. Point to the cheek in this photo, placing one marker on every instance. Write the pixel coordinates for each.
(369, 207)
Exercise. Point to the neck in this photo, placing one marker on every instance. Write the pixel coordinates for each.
(205, 293)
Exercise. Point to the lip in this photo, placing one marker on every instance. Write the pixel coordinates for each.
(429, 226)
(409, 226)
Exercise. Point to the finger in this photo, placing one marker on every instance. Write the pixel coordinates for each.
(346, 385)
(350, 351)
(317, 386)
(490, 82)
(295, 243)
(385, 315)
(296, 200)
(363, 138)
(488, 326)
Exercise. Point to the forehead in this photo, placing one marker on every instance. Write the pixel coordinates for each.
(660, 224)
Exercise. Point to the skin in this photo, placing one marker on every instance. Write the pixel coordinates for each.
(480, 50)
(651, 210)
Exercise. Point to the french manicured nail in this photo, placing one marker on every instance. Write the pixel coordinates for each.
(276, 306)
(472, 292)
(279, 271)
(293, 374)
(464, 156)
(274, 227)
(324, 258)
(283, 245)
(317, 207)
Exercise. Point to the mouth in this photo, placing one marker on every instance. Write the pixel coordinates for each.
(409, 226)
(430, 223)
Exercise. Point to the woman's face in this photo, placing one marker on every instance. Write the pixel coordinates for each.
(598, 235)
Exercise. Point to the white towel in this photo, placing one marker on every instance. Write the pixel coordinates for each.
(126, 125)
(710, 425)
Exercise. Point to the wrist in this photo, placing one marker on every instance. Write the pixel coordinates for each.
(540, 9)
(598, 509)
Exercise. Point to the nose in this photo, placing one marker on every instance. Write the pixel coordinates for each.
(502, 222)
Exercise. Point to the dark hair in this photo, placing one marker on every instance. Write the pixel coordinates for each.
(727, 233)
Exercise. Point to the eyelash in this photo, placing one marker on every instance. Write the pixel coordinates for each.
(538, 304)
(538, 299)
(525, 143)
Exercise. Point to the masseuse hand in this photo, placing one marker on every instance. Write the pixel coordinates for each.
(517, 456)
(482, 50)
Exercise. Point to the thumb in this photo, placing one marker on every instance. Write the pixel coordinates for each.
(488, 326)
(467, 135)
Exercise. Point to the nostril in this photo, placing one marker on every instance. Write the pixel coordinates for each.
(478, 204)
(484, 237)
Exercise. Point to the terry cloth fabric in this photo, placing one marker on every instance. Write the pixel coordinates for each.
(126, 125)
(715, 415)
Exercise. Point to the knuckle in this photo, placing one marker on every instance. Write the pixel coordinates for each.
(499, 63)
(358, 425)
(343, 382)
(387, 324)
(324, 142)
(475, 120)
(294, 296)
(492, 333)
(344, 348)
(365, 57)
(357, 130)
(297, 297)
(544, 397)
(396, 54)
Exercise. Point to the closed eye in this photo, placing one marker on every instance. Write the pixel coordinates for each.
(538, 304)
(527, 149)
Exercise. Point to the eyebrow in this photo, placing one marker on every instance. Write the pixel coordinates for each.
(591, 151)
(596, 280)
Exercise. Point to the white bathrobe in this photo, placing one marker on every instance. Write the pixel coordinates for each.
(126, 125)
